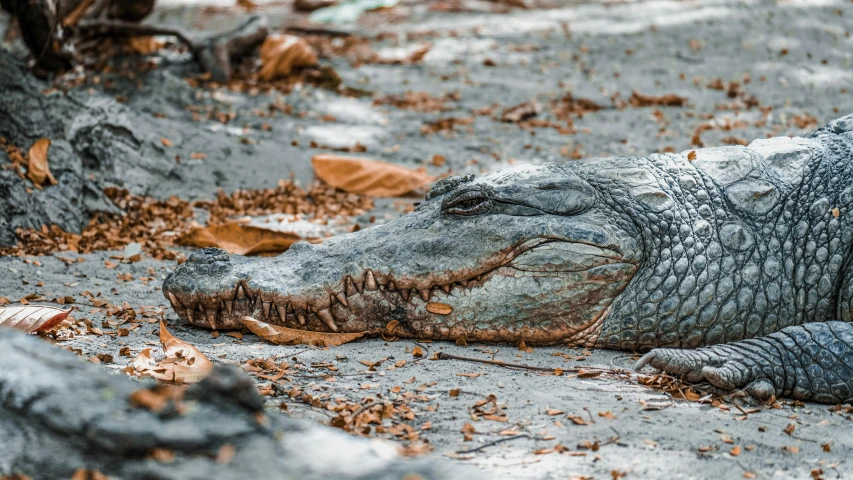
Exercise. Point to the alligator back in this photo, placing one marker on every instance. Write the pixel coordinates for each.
(739, 242)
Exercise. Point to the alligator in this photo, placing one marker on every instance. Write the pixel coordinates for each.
(727, 264)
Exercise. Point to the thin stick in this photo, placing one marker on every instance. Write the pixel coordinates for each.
(447, 356)
(493, 443)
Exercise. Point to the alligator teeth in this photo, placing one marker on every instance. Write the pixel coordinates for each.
(211, 318)
(424, 295)
(445, 288)
(240, 293)
(405, 294)
(266, 306)
(351, 288)
(369, 281)
(229, 305)
(343, 299)
(327, 318)
(301, 317)
(464, 283)
(175, 302)
(191, 315)
(282, 312)
(392, 287)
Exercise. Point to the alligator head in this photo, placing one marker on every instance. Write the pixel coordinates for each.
(529, 253)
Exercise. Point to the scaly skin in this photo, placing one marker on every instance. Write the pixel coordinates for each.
(624, 253)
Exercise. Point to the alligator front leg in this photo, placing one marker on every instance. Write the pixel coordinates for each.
(809, 362)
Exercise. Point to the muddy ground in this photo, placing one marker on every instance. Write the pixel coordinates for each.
(792, 58)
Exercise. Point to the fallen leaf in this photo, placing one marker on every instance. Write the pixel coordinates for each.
(692, 155)
(417, 352)
(281, 54)
(827, 447)
(402, 55)
(749, 475)
(735, 451)
(37, 169)
(368, 177)
(32, 318)
(577, 420)
(454, 392)
(608, 415)
(183, 363)
(791, 448)
(669, 100)
(554, 411)
(144, 45)
(520, 112)
(241, 238)
(291, 336)
(166, 142)
(439, 308)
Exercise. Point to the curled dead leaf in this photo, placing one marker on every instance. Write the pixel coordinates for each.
(32, 318)
(184, 363)
(291, 336)
(368, 177)
(37, 169)
(281, 54)
(241, 238)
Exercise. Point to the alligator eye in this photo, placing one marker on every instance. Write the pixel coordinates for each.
(472, 202)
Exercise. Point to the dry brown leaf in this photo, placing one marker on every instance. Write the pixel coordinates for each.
(291, 336)
(735, 451)
(368, 177)
(554, 411)
(281, 54)
(402, 55)
(144, 45)
(240, 238)
(166, 142)
(439, 308)
(32, 318)
(37, 170)
(183, 363)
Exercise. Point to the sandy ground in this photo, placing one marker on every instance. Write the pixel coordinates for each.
(797, 55)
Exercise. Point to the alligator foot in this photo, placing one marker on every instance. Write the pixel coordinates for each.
(809, 362)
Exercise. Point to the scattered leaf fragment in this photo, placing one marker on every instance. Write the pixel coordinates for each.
(166, 142)
(454, 392)
(290, 336)
(692, 155)
(417, 352)
(439, 308)
(37, 169)
(735, 451)
(791, 449)
(144, 45)
(368, 177)
(827, 447)
(554, 411)
(32, 318)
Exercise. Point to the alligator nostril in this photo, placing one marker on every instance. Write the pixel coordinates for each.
(209, 255)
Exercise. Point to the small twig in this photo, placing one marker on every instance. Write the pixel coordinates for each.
(495, 442)
(448, 356)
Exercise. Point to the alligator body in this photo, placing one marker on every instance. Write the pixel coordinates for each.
(732, 264)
